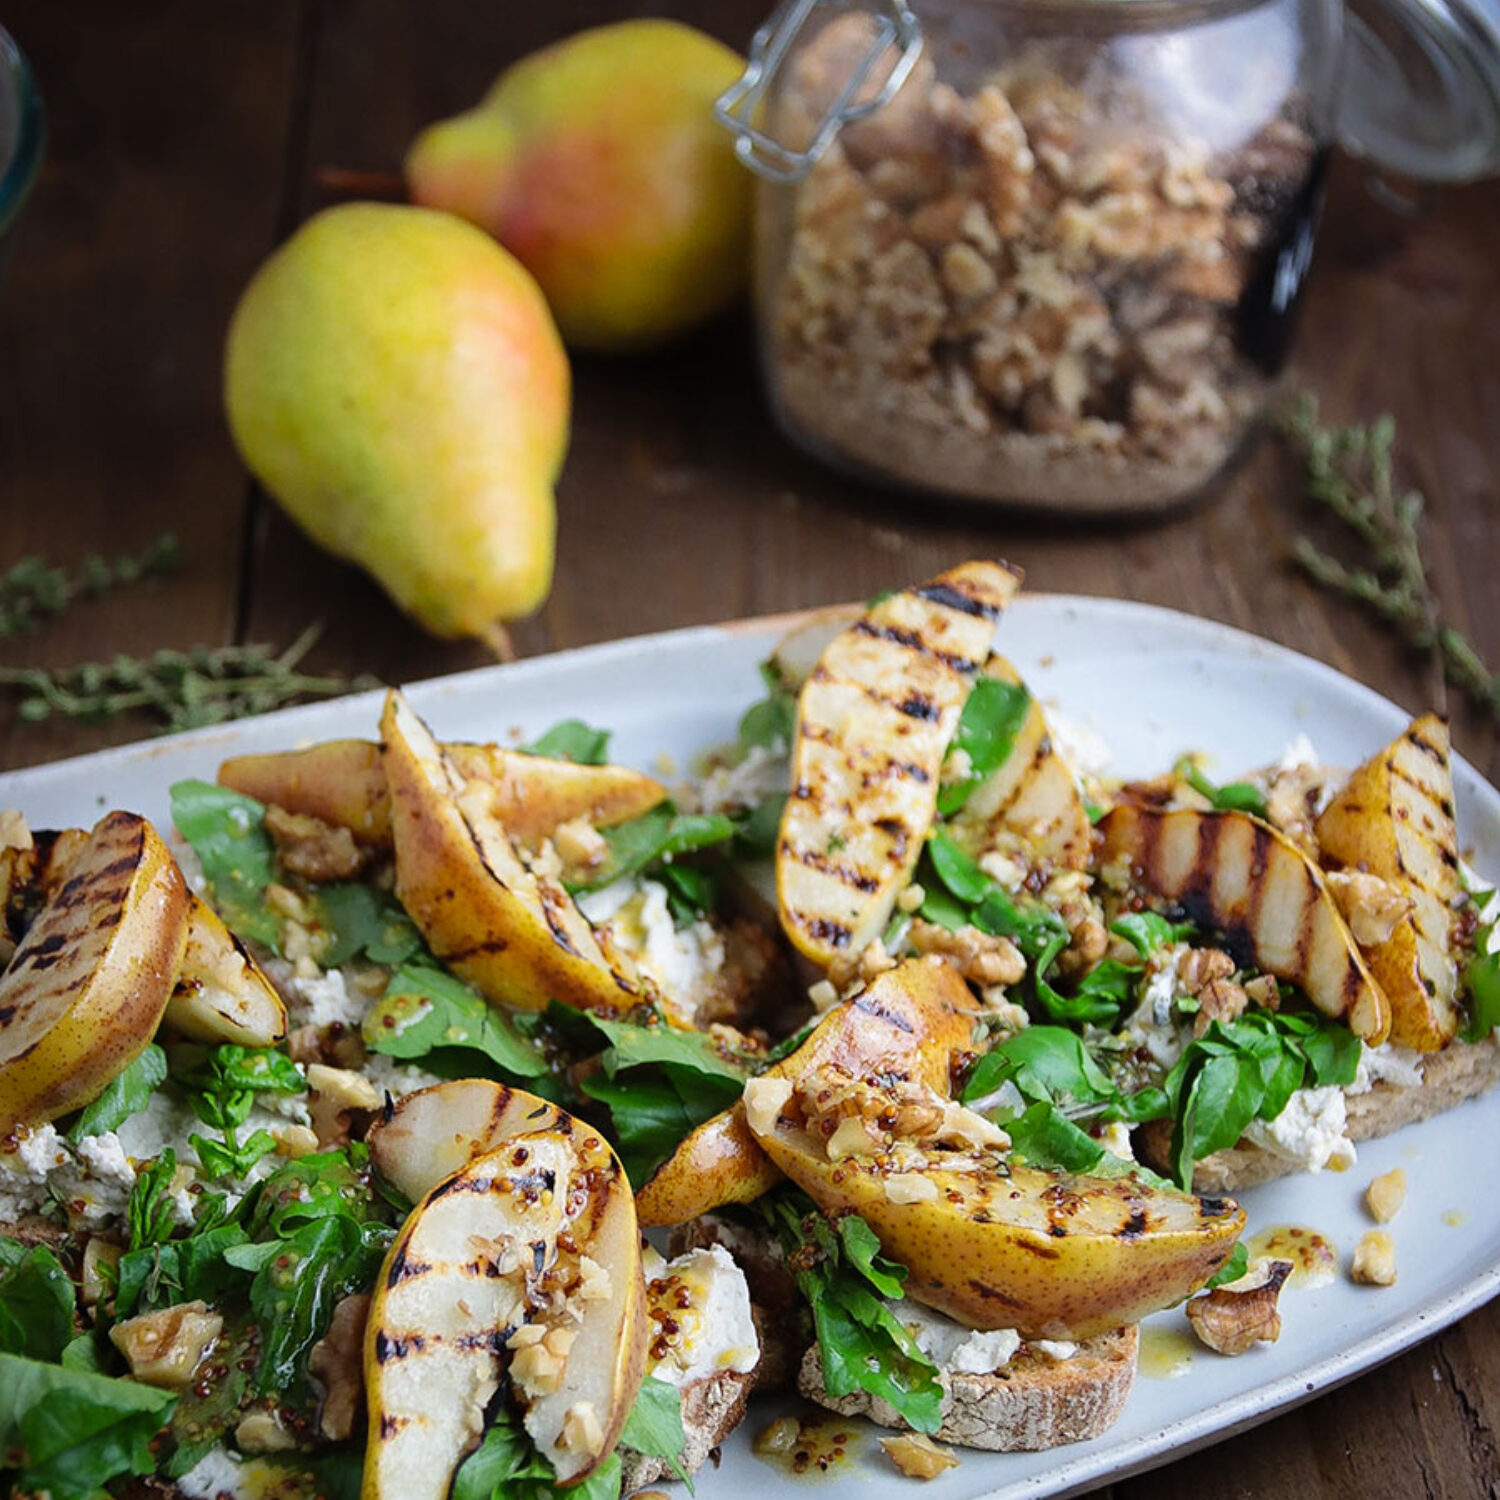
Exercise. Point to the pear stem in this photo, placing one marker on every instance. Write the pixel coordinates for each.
(354, 182)
(498, 639)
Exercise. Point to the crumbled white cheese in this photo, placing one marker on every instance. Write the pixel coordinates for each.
(27, 1161)
(682, 963)
(762, 773)
(99, 1190)
(1299, 753)
(327, 998)
(1155, 1023)
(221, 1475)
(1386, 1063)
(1058, 1349)
(1085, 750)
(396, 1078)
(951, 1346)
(715, 1328)
(1310, 1131)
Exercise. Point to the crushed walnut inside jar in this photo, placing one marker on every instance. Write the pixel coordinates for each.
(1028, 291)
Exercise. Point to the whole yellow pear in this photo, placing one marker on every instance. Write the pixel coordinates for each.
(395, 380)
(597, 162)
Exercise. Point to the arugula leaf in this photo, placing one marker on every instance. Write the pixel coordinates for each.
(36, 1302)
(67, 1433)
(691, 892)
(772, 721)
(1232, 1269)
(1046, 1138)
(572, 739)
(632, 1044)
(424, 1009)
(1037, 930)
(862, 1343)
(1099, 997)
(1481, 981)
(294, 1293)
(326, 1184)
(653, 1109)
(654, 1426)
(1047, 1064)
(761, 827)
(232, 1069)
(1147, 931)
(126, 1095)
(151, 1214)
(1235, 796)
(180, 1270)
(661, 834)
(227, 833)
(506, 1466)
(992, 717)
(220, 1159)
(357, 919)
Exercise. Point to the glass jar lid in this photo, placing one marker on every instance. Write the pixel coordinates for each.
(1421, 86)
(1421, 92)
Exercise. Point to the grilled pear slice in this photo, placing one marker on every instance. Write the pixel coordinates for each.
(221, 993)
(437, 1131)
(1031, 795)
(908, 1023)
(85, 989)
(509, 929)
(1237, 875)
(30, 873)
(523, 1266)
(342, 782)
(989, 1242)
(1394, 819)
(796, 654)
(874, 721)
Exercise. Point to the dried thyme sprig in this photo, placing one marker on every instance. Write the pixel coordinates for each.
(1350, 472)
(34, 591)
(183, 689)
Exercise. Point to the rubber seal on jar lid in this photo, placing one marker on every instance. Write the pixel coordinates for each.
(1421, 93)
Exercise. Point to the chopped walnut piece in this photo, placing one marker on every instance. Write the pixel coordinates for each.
(765, 1098)
(342, 1087)
(316, 850)
(1385, 1195)
(1374, 1262)
(263, 1432)
(917, 1456)
(1197, 968)
(1371, 906)
(336, 1360)
(1221, 1000)
(978, 956)
(1233, 1318)
(579, 844)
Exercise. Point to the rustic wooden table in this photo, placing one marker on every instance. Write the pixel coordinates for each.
(183, 141)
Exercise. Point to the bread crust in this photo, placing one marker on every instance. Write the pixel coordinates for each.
(711, 1409)
(1034, 1403)
(1462, 1070)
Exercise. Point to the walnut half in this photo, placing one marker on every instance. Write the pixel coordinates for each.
(1233, 1318)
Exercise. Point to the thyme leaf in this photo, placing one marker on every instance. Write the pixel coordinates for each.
(181, 689)
(34, 591)
(1350, 472)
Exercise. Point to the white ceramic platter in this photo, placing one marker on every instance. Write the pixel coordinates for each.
(1153, 683)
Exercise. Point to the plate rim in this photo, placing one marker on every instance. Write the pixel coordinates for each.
(1227, 1417)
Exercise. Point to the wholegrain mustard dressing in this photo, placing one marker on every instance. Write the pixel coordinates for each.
(1314, 1258)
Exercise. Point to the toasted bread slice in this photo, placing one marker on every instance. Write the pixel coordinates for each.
(711, 1409)
(1033, 1403)
(1460, 1071)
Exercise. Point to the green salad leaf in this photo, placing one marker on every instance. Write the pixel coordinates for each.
(1148, 932)
(771, 722)
(1232, 1269)
(846, 1283)
(426, 1010)
(653, 838)
(992, 717)
(654, 1426)
(151, 1214)
(572, 739)
(506, 1466)
(227, 833)
(36, 1302)
(125, 1095)
(66, 1432)
(357, 920)
(1235, 796)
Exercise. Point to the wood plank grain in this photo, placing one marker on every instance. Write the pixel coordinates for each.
(158, 195)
